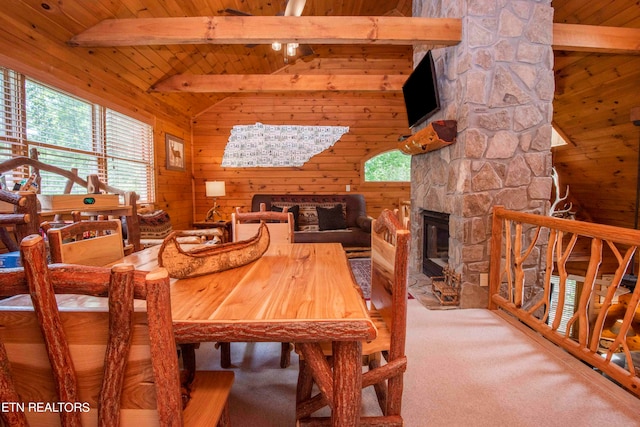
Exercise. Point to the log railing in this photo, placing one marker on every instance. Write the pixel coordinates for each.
(528, 250)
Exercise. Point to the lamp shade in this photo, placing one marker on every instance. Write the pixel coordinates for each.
(214, 188)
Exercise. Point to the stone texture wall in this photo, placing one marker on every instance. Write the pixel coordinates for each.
(498, 84)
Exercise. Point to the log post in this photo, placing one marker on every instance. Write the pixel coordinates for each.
(347, 377)
(118, 345)
(46, 309)
(163, 348)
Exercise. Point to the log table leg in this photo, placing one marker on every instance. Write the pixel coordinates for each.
(188, 361)
(347, 383)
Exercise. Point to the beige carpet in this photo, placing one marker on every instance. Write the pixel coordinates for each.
(466, 368)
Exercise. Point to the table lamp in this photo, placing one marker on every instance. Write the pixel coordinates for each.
(214, 189)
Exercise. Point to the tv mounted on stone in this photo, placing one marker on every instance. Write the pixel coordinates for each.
(420, 92)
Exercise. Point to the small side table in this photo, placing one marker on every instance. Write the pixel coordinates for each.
(224, 225)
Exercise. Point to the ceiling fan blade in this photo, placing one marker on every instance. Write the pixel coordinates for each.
(236, 12)
(306, 50)
(294, 7)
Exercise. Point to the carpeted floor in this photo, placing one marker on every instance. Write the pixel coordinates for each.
(465, 368)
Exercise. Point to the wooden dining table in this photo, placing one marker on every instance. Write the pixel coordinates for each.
(303, 293)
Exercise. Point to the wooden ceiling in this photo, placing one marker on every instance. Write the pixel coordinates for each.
(594, 91)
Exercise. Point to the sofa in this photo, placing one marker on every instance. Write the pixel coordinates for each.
(319, 218)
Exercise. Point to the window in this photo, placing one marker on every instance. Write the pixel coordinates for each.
(569, 302)
(72, 133)
(389, 166)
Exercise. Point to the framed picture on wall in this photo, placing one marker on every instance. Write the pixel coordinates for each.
(175, 152)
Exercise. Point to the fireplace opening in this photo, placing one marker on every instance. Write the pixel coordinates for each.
(435, 248)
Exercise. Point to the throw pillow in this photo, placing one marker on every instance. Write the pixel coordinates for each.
(295, 210)
(155, 225)
(331, 218)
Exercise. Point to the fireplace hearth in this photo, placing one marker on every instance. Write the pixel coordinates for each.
(435, 242)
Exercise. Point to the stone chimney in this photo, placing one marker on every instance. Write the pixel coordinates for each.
(498, 84)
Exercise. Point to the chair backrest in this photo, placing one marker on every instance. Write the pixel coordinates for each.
(280, 225)
(96, 365)
(87, 242)
(389, 269)
(404, 213)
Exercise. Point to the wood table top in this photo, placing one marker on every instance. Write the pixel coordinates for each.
(295, 292)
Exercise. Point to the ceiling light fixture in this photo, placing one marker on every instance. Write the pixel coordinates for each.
(291, 49)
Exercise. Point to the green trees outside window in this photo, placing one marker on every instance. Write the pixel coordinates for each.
(389, 166)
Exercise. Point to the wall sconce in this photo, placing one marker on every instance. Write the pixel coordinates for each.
(214, 189)
(276, 46)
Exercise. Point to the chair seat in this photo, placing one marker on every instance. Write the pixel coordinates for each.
(209, 394)
(382, 342)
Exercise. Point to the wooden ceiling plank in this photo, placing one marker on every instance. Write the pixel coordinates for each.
(26, 22)
(179, 58)
(264, 30)
(405, 7)
(594, 38)
(279, 83)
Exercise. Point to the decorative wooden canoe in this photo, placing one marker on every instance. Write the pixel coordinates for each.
(436, 135)
(182, 264)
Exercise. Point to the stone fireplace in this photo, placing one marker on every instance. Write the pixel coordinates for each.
(498, 85)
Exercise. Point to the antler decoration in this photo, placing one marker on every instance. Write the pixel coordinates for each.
(553, 210)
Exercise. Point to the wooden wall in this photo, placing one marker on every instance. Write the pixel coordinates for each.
(173, 188)
(375, 122)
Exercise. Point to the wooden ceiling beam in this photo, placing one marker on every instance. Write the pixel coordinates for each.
(595, 38)
(267, 29)
(227, 83)
(390, 30)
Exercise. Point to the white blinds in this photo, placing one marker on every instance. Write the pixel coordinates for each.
(129, 148)
(569, 302)
(12, 128)
(72, 133)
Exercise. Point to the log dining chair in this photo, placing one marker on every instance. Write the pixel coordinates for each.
(389, 269)
(244, 225)
(86, 242)
(109, 364)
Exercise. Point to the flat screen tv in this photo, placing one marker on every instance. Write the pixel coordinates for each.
(420, 92)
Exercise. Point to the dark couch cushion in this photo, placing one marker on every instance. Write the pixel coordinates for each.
(352, 203)
(331, 218)
(295, 210)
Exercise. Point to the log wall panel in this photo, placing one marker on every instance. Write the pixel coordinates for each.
(375, 123)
